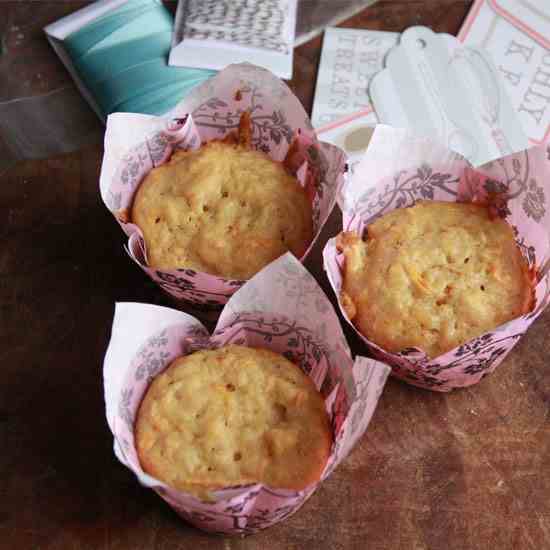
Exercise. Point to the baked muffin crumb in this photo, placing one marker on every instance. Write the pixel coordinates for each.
(224, 209)
(433, 276)
(233, 416)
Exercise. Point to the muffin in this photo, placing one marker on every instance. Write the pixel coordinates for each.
(224, 209)
(233, 416)
(433, 276)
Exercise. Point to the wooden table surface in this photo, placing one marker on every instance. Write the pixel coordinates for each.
(468, 470)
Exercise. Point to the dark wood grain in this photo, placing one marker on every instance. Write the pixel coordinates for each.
(469, 470)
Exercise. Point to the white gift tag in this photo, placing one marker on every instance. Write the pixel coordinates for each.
(441, 89)
(516, 33)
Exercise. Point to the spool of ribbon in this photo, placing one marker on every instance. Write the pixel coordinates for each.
(122, 59)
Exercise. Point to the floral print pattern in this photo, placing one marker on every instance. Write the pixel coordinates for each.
(511, 188)
(277, 121)
(263, 314)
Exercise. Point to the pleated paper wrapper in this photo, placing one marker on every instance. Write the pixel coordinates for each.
(135, 144)
(399, 169)
(281, 308)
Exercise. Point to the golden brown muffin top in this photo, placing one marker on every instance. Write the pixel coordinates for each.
(224, 209)
(434, 276)
(233, 416)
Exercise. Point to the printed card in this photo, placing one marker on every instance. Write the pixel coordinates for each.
(349, 59)
(516, 34)
(342, 112)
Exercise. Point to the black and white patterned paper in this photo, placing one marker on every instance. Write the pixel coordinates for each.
(211, 34)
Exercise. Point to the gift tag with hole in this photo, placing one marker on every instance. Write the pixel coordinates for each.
(442, 89)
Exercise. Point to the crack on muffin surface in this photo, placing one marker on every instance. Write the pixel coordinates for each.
(221, 209)
(434, 276)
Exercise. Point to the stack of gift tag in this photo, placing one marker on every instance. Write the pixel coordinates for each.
(481, 94)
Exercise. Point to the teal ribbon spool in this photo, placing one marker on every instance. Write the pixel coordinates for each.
(122, 59)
